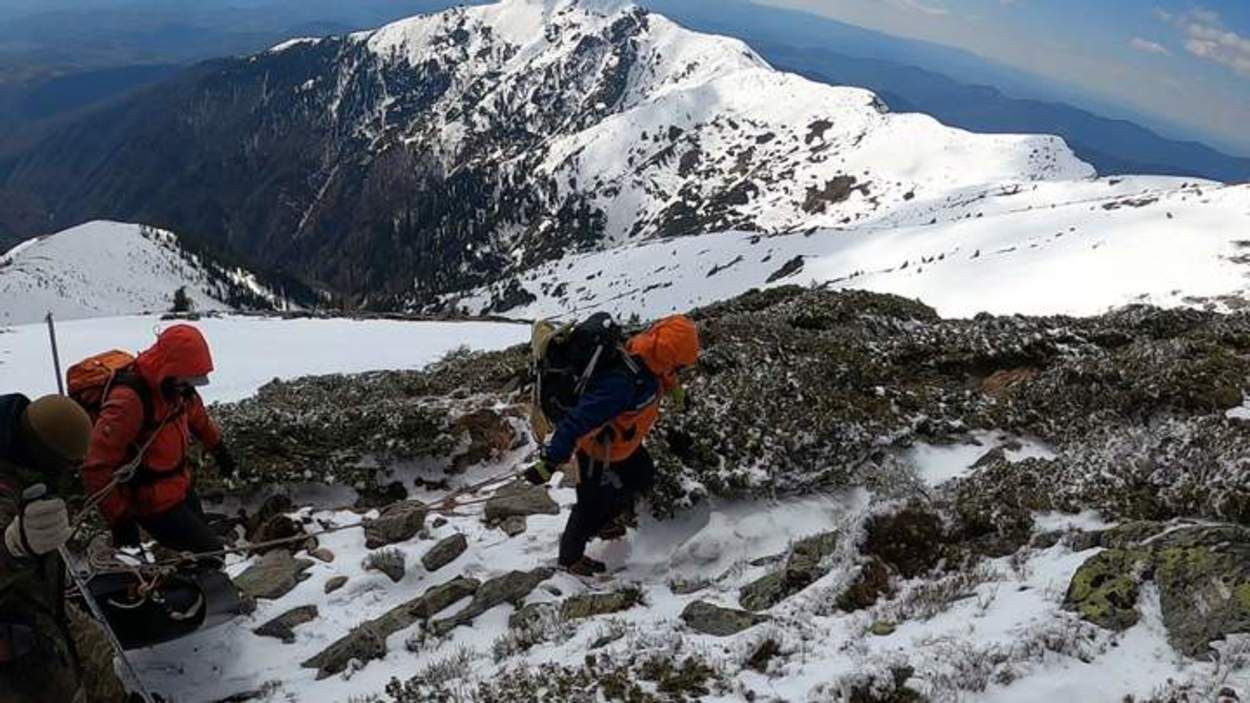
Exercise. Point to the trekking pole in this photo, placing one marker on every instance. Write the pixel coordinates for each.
(56, 354)
(135, 683)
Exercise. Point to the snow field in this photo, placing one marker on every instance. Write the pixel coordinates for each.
(249, 352)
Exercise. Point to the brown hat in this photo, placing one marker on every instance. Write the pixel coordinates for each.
(57, 430)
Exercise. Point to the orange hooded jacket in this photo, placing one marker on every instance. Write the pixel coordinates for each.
(163, 480)
(667, 347)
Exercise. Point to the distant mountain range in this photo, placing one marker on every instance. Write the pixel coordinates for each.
(467, 155)
(953, 86)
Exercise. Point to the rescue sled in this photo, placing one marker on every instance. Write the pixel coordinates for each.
(183, 603)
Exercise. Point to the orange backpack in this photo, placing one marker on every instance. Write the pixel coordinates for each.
(89, 381)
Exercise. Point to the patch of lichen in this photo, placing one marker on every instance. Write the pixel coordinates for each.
(1104, 589)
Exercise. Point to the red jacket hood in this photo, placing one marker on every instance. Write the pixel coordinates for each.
(180, 351)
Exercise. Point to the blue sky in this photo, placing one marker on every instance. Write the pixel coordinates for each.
(1186, 63)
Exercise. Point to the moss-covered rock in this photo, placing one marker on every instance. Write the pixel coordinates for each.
(1105, 588)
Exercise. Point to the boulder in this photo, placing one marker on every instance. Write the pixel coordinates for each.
(588, 605)
(520, 499)
(280, 527)
(391, 562)
(714, 620)
(364, 644)
(445, 552)
(512, 588)
(532, 615)
(335, 584)
(368, 641)
(513, 526)
(323, 555)
(398, 522)
(283, 626)
(802, 569)
(1202, 573)
(1104, 589)
(273, 575)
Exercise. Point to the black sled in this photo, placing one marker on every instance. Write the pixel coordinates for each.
(183, 604)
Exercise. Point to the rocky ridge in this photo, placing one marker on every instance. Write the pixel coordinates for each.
(812, 393)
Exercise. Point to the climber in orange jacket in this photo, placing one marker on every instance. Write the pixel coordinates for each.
(604, 432)
(153, 414)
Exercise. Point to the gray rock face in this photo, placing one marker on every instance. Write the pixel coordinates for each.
(512, 587)
(364, 644)
(520, 499)
(588, 605)
(445, 552)
(391, 562)
(399, 522)
(714, 620)
(273, 575)
(283, 626)
(801, 570)
(532, 614)
(513, 526)
(368, 641)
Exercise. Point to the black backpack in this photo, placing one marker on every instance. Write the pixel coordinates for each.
(573, 357)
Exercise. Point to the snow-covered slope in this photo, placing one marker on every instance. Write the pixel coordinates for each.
(102, 269)
(252, 351)
(1079, 248)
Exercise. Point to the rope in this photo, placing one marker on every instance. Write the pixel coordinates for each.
(445, 506)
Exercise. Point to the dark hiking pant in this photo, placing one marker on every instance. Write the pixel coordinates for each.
(602, 496)
(185, 529)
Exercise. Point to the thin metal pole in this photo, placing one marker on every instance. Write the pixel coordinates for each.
(56, 354)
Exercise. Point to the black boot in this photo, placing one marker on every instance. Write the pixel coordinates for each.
(586, 567)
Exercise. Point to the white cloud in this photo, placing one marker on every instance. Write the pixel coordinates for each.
(934, 10)
(1149, 47)
(1208, 39)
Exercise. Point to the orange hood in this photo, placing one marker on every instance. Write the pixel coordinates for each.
(179, 352)
(670, 344)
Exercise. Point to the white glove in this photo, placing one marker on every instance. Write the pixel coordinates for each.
(46, 527)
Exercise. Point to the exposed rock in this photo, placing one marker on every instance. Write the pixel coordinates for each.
(520, 499)
(391, 562)
(1203, 575)
(512, 588)
(802, 569)
(513, 526)
(1104, 589)
(368, 641)
(322, 555)
(399, 522)
(273, 575)
(445, 552)
(364, 644)
(283, 626)
(684, 587)
(280, 527)
(335, 583)
(531, 615)
(589, 605)
(273, 506)
(711, 619)
(1202, 572)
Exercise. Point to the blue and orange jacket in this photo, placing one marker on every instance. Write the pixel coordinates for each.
(621, 406)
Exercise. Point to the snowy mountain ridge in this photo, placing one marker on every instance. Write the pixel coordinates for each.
(448, 151)
(103, 269)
